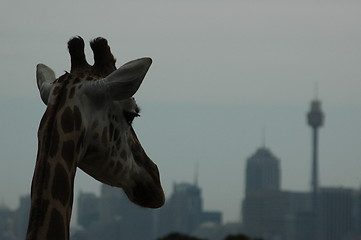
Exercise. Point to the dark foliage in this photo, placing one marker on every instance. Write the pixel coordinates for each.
(178, 236)
(237, 237)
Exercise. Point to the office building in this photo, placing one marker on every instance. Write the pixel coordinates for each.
(336, 213)
(183, 212)
(262, 171)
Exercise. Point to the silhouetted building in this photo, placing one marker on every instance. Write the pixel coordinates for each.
(302, 226)
(262, 171)
(14, 223)
(264, 206)
(268, 212)
(183, 212)
(88, 209)
(274, 214)
(7, 223)
(335, 218)
(264, 214)
(112, 216)
(336, 214)
(22, 217)
(358, 213)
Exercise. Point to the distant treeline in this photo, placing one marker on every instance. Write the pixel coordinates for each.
(179, 236)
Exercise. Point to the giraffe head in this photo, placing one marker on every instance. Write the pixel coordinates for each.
(98, 102)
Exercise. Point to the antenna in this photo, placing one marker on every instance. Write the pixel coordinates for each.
(316, 90)
(196, 174)
(263, 135)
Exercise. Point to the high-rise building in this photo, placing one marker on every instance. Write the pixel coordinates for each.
(183, 211)
(336, 213)
(262, 171)
(7, 223)
(112, 216)
(263, 214)
(358, 212)
(22, 216)
(264, 206)
(88, 209)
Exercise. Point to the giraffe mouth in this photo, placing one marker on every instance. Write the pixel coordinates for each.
(147, 190)
(148, 196)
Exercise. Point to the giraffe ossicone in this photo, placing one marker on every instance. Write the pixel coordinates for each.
(88, 124)
(119, 85)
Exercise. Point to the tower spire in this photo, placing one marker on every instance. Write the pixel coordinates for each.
(263, 135)
(316, 90)
(196, 174)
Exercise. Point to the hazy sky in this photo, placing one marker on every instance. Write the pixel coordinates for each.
(222, 71)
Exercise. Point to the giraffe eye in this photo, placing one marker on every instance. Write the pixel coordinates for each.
(129, 116)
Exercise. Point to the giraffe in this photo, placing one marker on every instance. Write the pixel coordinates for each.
(88, 124)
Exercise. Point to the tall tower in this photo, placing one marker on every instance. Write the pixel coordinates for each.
(315, 119)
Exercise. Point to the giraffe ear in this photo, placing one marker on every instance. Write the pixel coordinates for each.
(121, 84)
(45, 77)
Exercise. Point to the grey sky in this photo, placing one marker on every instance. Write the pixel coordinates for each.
(222, 71)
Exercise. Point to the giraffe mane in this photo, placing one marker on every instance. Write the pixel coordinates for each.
(47, 124)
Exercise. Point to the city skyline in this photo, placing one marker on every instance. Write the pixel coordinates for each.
(268, 212)
(221, 72)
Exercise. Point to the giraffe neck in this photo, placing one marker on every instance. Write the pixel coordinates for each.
(53, 181)
(50, 217)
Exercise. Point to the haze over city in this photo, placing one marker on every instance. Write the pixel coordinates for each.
(222, 71)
